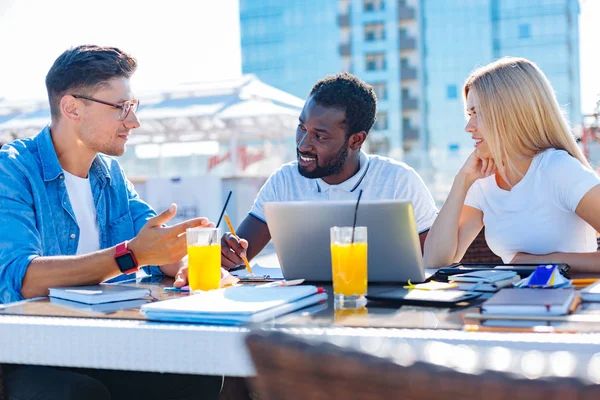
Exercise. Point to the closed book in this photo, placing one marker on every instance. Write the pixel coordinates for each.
(102, 308)
(98, 294)
(487, 287)
(591, 293)
(235, 305)
(530, 302)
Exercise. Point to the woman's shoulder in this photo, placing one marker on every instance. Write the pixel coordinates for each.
(554, 156)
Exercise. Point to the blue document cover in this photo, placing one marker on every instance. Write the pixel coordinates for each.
(234, 305)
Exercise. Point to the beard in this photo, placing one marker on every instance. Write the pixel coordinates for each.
(333, 166)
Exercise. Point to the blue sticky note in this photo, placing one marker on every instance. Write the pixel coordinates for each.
(542, 275)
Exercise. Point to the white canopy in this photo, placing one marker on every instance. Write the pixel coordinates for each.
(243, 109)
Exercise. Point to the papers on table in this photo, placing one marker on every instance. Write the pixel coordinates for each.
(234, 305)
(97, 294)
(260, 272)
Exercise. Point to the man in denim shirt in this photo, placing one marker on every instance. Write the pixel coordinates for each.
(69, 216)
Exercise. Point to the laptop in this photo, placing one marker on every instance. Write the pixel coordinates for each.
(300, 234)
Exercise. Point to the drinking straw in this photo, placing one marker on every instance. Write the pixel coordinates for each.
(355, 212)
(224, 207)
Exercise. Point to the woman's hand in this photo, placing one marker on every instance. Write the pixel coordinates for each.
(477, 168)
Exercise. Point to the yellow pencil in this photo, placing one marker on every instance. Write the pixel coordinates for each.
(234, 234)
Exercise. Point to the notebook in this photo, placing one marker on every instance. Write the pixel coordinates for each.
(489, 276)
(591, 293)
(103, 308)
(235, 305)
(530, 302)
(98, 294)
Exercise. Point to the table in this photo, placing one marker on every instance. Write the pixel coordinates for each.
(43, 333)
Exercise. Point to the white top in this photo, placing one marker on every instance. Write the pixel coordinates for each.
(380, 178)
(538, 215)
(82, 201)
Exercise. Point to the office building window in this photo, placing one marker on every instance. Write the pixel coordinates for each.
(373, 5)
(382, 122)
(375, 62)
(380, 89)
(524, 31)
(451, 92)
(374, 32)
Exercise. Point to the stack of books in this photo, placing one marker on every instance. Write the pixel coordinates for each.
(484, 281)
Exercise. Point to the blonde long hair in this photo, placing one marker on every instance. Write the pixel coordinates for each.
(518, 109)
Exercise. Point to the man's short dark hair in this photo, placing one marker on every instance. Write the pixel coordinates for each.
(347, 92)
(85, 69)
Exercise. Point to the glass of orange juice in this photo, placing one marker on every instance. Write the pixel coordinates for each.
(349, 264)
(204, 258)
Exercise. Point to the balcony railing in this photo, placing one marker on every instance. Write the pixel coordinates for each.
(407, 43)
(406, 13)
(410, 104)
(410, 133)
(343, 19)
(345, 49)
(408, 73)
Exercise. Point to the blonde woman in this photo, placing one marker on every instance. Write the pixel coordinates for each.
(527, 180)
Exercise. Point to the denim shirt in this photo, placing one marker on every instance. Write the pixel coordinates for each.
(36, 217)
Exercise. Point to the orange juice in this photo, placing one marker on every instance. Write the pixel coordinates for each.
(349, 268)
(340, 315)
(204, 267)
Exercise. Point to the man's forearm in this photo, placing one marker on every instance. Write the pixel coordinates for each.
(88, 269)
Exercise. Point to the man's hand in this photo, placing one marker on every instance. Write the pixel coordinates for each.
(232, 250)
(156, 245)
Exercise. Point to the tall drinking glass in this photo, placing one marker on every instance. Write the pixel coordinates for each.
(349, 264)
(204, 258)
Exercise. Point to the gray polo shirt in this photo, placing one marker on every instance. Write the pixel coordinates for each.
(380, 178)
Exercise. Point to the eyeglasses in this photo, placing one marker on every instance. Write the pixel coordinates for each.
(126, 107)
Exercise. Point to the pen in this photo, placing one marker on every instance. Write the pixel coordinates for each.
(236, 236)
(583, 282)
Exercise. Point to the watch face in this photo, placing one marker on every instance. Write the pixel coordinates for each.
(126, 262)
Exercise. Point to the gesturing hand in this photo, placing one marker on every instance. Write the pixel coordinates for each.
(158, 245)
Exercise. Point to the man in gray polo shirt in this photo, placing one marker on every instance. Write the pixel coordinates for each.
(333, 125)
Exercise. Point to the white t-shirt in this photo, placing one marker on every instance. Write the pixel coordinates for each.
(538, 215)
(82, 201)
(380, 178)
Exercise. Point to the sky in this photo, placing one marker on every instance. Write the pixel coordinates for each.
(175, 41)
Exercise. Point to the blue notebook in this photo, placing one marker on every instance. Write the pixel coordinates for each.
(234, 306)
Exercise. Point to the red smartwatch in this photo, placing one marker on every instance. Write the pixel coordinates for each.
(125, 259)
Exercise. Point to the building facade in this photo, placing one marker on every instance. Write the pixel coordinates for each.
(416, 54)
(290, 44)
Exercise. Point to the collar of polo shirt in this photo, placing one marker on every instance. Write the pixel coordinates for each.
(350, 184)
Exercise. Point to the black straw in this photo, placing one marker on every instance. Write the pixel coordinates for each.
(224, 207)
(355, 212)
